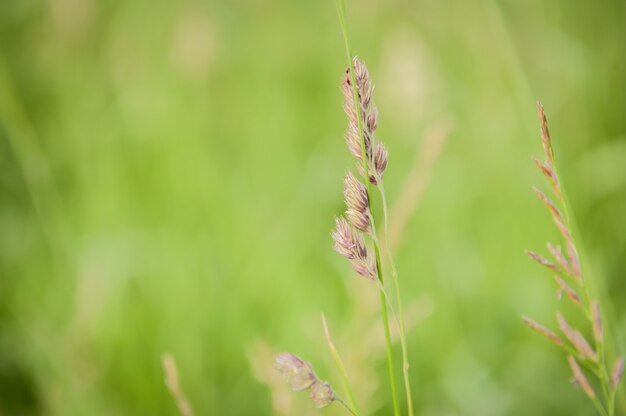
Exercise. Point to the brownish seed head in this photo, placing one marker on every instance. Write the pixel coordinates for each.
(543, 331)
(355, 194)
(371, 172)
(359, 220)
(577, 339)
(545, 133)
(548, 172)
(543, 261)
(364, 267)
(558, 256)
(297, 372)
(348, 242)
(363, 83)
(372, 119)
(380, 158)
(564, 287)
(365, 110)
(322, 394)
(580, 378)
(573, 259)
(548, 203)
(353, 141)
(560, 224)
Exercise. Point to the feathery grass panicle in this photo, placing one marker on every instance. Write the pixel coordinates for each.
(567, 265)
(364, 91)
(376, 153)
(362, 122)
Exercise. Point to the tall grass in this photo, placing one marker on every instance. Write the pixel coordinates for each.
(572, 282)
(358, 225)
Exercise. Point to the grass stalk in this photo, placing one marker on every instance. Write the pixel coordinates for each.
(383, 301)
(350, 403)
(394, 277)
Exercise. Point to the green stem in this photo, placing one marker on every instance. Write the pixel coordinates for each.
(394, 275)
(364, 159)
(383, 311)
(348, 407)
(345, 381)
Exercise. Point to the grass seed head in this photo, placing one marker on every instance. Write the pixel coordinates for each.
(543, 331)
(580, 378)
(322, 394)
(543, 261)
(351, 245)
(297, 372)
(381, 155)
(577, 339)
(558, 256)
(545, 133)
(571, 293)
(355, 193)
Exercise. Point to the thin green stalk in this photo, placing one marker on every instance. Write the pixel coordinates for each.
(345, 381)
(347, 406)
(383, 311)
(394, 275)
(383, 301)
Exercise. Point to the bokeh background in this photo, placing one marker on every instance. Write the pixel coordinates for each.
(171, 170)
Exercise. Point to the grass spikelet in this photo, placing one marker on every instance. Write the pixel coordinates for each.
(543, 261)
(565, 288)
(548, 203)
(545, 134)
(580, 378)
(558, 256)
(351, 245)
(576, 338)
(543, 331)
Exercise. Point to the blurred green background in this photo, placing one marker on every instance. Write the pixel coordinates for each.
(171, 170)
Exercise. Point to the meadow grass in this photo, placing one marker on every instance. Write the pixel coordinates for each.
(566, 264)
